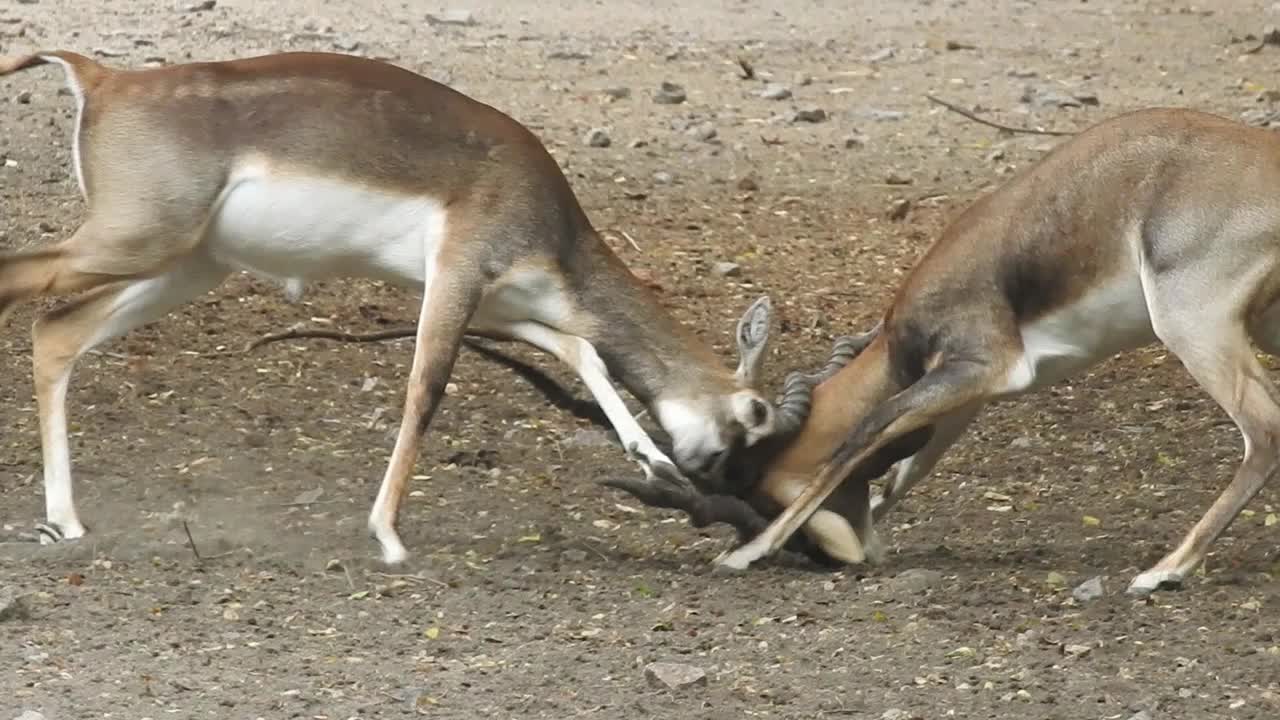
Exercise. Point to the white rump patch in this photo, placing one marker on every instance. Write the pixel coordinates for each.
(73, 83)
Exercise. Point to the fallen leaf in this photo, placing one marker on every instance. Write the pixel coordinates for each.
(431, 633)
(1091, 521)
(1271, 520)
(536, 537)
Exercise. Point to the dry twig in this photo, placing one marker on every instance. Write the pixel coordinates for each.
(191, 542)
(999, 126)
(298, 332)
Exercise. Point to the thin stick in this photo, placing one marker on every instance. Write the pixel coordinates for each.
(191, 542)
(296, 333)
(1008, 128)
(421, 578)
(631, 240)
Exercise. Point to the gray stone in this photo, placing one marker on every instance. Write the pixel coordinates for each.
(199, 6)
(916, 580)
(568, 55)
(12, 606)
(702, 132)
(670, 93)
(880, 55)
(884, 115)
(773, 91)
(30, 715)
(810, 115)
(674, 676)
(663, 177)
(1075, 650)
(452, 17)
(727, 269)
(597, 138)
(590, 438)
(895, 714)
(1090, 589)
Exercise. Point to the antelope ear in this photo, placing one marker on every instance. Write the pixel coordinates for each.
(753, 339)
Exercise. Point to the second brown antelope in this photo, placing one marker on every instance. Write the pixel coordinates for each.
(1158, 225)
(304, 166)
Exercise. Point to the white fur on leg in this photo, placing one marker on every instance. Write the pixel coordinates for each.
(583, 358)
(836, 537)
(1152, 580)
(741, 557)
(59, 502)
(393, 550)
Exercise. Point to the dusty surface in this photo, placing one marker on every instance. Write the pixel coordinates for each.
(535, 593)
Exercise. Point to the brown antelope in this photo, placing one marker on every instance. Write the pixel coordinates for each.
(1155, 225)
(303, 166)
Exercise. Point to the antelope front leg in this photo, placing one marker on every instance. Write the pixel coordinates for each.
(448, 301)
(583, 358)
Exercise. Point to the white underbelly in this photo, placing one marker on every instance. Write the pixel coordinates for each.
(1110, 320)
(293, 227)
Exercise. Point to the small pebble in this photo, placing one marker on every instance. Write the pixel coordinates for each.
(452, 17)
(669, 93)
(597, 138)
(775, 92)
(885, 115)
(674, 676)
(1090, 589)
(899, 209)
(916, 580)
(809, 115)
(727, 269)
(702, 132)
(11, 604)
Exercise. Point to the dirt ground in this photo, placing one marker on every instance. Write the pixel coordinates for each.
(534, 593)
